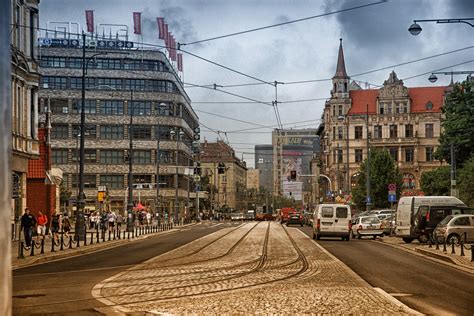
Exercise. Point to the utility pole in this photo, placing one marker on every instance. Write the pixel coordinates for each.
(368, 201)
(454, 191)
(5, 171)
(131, 108)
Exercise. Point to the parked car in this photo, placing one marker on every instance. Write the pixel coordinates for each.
(453, 228)
(249, 215)
(332, 220)
(388, 222)
(236, 216)
(295, 218)
(284, 213)
(367, 226)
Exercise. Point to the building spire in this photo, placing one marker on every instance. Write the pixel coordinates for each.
(341, 66)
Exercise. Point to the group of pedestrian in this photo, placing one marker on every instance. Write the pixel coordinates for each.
(43, 226)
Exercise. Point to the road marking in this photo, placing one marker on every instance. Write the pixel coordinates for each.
(397, 302)
(400, 294)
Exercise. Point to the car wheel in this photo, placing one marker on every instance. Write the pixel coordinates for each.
(359, 236)
(453, 238)
(314, 235)
(407, 240)
(423, 239)
(318, 237)
(374, 237)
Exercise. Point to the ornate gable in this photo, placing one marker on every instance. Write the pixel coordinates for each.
(393, 88)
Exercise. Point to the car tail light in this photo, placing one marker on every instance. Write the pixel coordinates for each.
(428, 216)
(318, 225)
(382, 226)
(350, 224)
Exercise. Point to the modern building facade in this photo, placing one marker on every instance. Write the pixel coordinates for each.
(230, 184)
(253, 176)
(293, 151)
(264, 164)
(405, 121)
(24, 91)
(130, 94)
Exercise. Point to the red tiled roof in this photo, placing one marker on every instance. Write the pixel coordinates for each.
(36, 168)
(419, 98)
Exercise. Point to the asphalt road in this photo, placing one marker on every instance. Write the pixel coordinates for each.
(64, 286)
(422, 284)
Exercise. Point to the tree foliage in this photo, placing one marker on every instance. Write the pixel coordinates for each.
(436, 181)
(458, 124)
(465, 181)
(383, 171)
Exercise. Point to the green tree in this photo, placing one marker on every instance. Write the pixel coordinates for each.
(458, 124)
(436, 181)
(64, 193)
(383, 171)
(465, 182)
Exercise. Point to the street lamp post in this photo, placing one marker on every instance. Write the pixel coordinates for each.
(80, 228)
(177, 135)
(416, 29)
(368, 201)
(130, 164)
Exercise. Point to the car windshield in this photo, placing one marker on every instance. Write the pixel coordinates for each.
(370, 220)
(446, 220)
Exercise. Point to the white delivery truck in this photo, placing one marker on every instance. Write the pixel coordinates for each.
(408, 208)
(332, 220)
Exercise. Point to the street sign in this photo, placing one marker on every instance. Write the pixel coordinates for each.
(197, 177)
(392, 187)
(392, 198)
(368, 200)
(102, 188)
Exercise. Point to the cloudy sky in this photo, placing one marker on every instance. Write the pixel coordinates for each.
(374, 37)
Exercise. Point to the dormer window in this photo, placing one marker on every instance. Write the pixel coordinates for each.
(429, 106)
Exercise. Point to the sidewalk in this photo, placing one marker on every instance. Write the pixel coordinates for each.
(29, 260)
(456, 260)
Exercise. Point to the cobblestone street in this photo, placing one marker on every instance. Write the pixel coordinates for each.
(254, 268)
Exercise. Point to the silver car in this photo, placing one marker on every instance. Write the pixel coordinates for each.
(367, 226)
(454, 227)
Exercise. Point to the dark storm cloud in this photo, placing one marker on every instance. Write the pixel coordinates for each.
(460, 9)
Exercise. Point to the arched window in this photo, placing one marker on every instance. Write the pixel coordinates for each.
(429, 105)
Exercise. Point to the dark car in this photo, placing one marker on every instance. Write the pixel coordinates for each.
(295, 218)
(428, 217)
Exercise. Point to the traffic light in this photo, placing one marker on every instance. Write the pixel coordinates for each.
(197, 132)
(293, 175)
(197, 168)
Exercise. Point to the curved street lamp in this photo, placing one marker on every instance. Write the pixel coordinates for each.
(433, 78)
(416, 29)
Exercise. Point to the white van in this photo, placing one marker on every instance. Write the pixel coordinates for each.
(408, 207)
(332, 220)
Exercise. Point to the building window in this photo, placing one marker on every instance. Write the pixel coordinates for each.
(394, 153)
(105, 63)
(339, 155)
(397, 108)
(135, 84)
(91, 131)
(334, 107)
(109, 84)
(429, 153)
(59, 156)
(89, 181)
(18, 26)
(111, 132)
(59, 106)
(358, 155)
(340, 133)
(333, 133)
(141, 132)
(48, 82)
(381, 108)
(90, 156)
(377, 132)
(429, 106)
(166, 157)
(111, 157)
(405, 107)
(142, 157)
(358, 132)
(140, 108)
(389, 108)
(76, 83)
(89, 106)
(409, 130)
(111, 107)
(429, 132)
(75, 62)
(142, 178)
(339, 111)
(393, 131)
(59, 131)
(409, 154)
(112, 181)
(53, 62)
(164, 109)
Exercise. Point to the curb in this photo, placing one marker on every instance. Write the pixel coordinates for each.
(431, 256)
(86, 250)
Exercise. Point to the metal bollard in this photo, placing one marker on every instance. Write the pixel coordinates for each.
(52, 244)
(430, 244)
(70, 242)
(42, 246)
(62, 241)
(92, 238)
(85, 238)
(436, 243)
(462, 248)
(109, 235)
(452, 247)
(114, 233)
(33, 245)
(472, 252)
(97, 234)
(20, 250)
(444, 245)
(77, 242)
(128, 235)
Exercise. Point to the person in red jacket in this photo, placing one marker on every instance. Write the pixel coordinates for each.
(41, 222)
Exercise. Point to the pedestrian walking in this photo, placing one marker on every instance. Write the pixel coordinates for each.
(119, 221)
(41, 222)
(27, 224)
(111, 220)
(55, 225)
(66, 225)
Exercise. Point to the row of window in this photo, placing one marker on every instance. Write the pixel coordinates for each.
(338, 154)
(384, 108)
(116, 132)
(338, 133)
(116, 181)
(118, 157)
(75, 83)
(103, 63)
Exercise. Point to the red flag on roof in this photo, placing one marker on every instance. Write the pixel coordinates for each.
(90, 20)
(137, 22)
(180, 62)
(161, 28)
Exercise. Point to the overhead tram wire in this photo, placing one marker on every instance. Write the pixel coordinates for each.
(230, 118)
(285, 23)
(439, 69)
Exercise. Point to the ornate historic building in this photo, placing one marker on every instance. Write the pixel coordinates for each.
(24, 91)
(229, 180)
(123, 87)
(405, 121)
